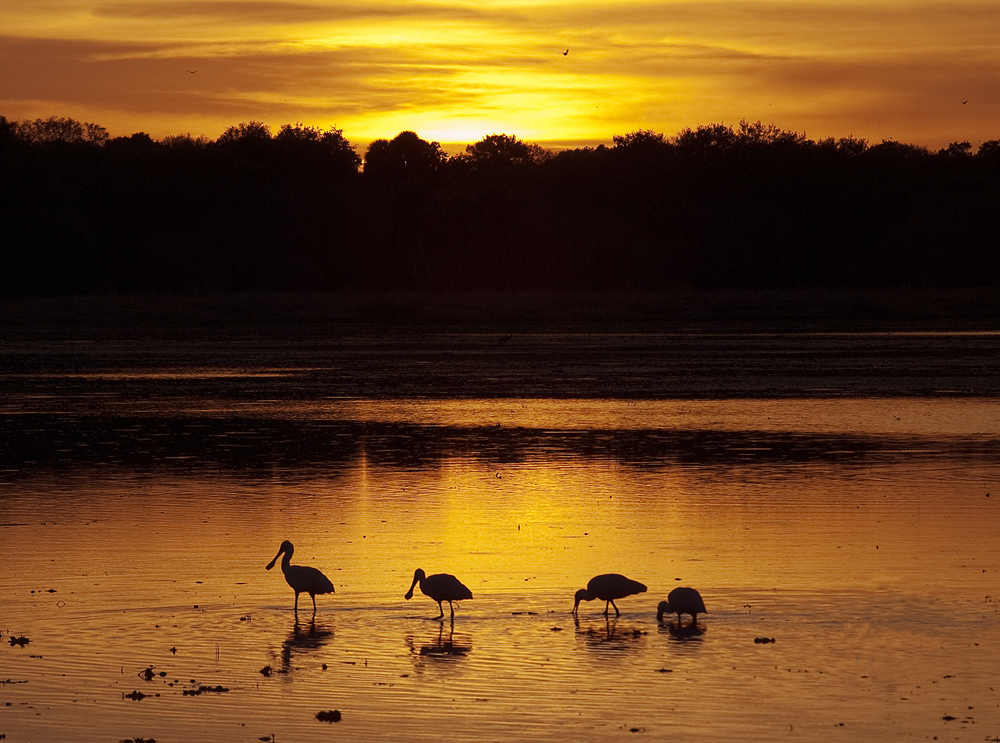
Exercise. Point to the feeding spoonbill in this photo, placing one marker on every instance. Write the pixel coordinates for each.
(682, 600)
(302, 578)
(608, 587)
(440, 587)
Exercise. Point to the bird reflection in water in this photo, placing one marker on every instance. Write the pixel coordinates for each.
(683, 632)
(445, 646)
(608, 635)
(303, 638)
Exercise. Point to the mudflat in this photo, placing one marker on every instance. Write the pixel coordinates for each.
(684, 345)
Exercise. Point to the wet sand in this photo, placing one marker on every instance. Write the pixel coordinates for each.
(584, 346)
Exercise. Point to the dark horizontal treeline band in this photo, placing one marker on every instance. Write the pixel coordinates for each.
(717, 207)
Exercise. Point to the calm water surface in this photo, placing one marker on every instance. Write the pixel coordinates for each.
(859, 532)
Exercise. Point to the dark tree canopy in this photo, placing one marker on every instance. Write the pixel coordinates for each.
(404, 156)
(714, 207)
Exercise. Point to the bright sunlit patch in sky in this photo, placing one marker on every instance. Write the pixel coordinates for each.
(557, 72)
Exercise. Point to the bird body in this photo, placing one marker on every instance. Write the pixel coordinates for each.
(608, 587)
(302, 578)
(440, 587)
(682, 600)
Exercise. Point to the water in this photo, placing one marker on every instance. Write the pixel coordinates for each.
(145, 486)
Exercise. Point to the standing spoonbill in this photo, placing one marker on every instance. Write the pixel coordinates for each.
(440, 587)
(302, 578)
(608, 587)
(682, 600)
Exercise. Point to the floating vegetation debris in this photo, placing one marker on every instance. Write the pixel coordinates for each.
(149, 674)
(22, 641)
(330, 715)
(266, 671)
(139, 740)
(138, 696)
(204, 690)
(763, 640)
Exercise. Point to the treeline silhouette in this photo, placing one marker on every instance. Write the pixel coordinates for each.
(716, 207)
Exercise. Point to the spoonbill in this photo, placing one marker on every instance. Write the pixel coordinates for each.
(682, 600)
(302, 578)
(608, 587)
(440, 587)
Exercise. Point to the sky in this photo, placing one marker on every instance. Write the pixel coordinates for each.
(562, 73)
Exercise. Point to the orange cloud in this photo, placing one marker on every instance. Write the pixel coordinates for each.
(455, 69)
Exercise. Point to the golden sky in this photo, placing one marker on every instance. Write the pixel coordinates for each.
(924, 73)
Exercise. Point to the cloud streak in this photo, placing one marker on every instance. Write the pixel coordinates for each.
(459, 69)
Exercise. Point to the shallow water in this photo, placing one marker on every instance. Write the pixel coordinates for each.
(139, 507)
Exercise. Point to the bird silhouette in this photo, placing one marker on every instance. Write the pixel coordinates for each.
(608, 587)
(302, 578)
(682, 600)
(440, 587)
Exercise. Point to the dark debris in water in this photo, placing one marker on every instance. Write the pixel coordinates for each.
(329, 715)
(763, 640)
(22, 641)
(138, 696)
(204, 690)
(138, 740)
(266, 671)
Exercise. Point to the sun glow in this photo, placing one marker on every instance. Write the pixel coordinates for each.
(573, 73)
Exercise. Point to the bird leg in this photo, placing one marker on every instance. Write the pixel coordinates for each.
(617, 613)
(441, 608)
(452, 609)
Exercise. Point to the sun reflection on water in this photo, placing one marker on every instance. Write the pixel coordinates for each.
(872, 566)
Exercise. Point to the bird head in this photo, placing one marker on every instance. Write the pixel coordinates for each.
(285, 548)
(418, 575)
(662, 608)
(582, 595)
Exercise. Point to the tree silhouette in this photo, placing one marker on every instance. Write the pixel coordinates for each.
(405, 156)
(715, 207)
